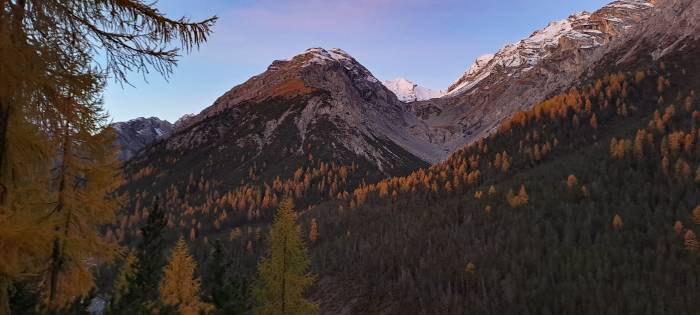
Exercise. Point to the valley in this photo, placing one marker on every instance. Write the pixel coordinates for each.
(557, 175)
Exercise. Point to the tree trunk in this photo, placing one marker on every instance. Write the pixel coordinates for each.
(4, 121)
(55, 269)
(284, 275)
(57, 254)
(4, 295)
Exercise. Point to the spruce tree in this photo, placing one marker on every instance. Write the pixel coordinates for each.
(121, 282)
(141, 295)
(227, 291)
(284, 273)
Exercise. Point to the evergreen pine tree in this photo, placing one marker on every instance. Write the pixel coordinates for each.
(141, 295)
(227, 292)
(121, 282)
(284, 272)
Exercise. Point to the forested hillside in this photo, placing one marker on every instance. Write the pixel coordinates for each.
(581, 205)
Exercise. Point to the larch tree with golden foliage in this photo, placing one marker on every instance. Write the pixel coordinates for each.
(24, 203)
(284, 273)
(51, 50)
(518, 200)
(179, 289)
(617, 222)
(313, 231)
(678, 227)
(87, 174)
(696, 215)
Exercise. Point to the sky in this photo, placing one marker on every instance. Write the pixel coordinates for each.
(430, 42)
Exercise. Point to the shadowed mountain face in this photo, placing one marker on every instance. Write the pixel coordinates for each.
(672, 28)
(135, 134)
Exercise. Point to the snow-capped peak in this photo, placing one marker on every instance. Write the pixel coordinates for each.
(582, 30)
(322, 56)
(408, 91)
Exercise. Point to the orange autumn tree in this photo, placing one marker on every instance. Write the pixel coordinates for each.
(50, 47)
(313, 231)
(518, 200)
(696, 215)
(178, 288)
(617, 222)
(678, 227)
(87, 174)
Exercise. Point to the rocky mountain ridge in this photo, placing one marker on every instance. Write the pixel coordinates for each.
(135, 134)
(580, 31)
(522, 74)
(429, 128)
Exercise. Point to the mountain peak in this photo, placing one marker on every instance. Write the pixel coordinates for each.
(582, 30)
(139, 132)
(321, 56)
(408, 91)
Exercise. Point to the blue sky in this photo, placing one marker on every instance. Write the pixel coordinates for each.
(431, 42)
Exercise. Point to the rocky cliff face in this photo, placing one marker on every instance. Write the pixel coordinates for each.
(135, 134)
(673, 27)
(521, 74)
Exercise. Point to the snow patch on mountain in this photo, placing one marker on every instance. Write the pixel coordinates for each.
(408, 91)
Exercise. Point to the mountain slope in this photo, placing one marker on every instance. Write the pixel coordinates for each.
(320, 103)
(579, 205)
(673, 28)
(408, 91)
(135, 134)
(582, 31)
(524, 73)
(314, 126)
